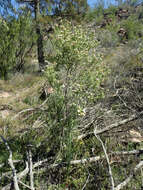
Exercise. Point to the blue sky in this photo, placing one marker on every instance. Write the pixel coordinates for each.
(90, 2)
(107, 2)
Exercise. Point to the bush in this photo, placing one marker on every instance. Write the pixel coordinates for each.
(76, 63)
(133, 28)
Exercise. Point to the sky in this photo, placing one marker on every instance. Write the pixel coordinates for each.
(107, 2)
(90, 2)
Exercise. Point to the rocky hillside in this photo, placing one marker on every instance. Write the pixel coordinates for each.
(77, 125)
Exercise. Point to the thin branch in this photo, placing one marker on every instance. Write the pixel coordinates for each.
(30, 109)
(117, 94)
(80, 137)
(30, 168)
(23, 111)
(7, 187)
(108, 162)
(37, 164)
(86, 182)
(88, 125)
(126, 181)
(10, 161)
(20, 175)
(25, 185)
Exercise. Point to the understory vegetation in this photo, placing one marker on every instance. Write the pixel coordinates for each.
(71, 96)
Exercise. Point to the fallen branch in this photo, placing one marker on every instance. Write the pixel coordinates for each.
(19, 176)
(19, 182)
(25, 185)
(126, 181)
(88, 160)
(30, 109)
(87, 180)
(30, 168)
(24, 172)
(108, 162)
(108, 128)
(73, 162)
(112, 126)
(23, 111)
(10, 161)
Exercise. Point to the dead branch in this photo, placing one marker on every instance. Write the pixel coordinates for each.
(80, 137)
(86, 182)
(37, 164)
(73, 162)
(19, 182)
(108, 162)
(31, 109)
(112, 126)
(19, 176)
(126, 181)
(142, 175)
(24, 172)
(10, 161)
(108, 128)
(25, 185)
(30, 168)
(23, 111)
(89, 160)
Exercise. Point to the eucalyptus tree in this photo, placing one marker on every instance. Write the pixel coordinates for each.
(35, 6)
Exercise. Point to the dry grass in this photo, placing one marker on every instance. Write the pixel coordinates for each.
(12, 100)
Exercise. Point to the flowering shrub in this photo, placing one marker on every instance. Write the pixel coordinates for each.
(76, 65)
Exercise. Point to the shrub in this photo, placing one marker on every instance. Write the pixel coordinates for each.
(108, 38)
(75, 74)
(76, 63)
(133, 27)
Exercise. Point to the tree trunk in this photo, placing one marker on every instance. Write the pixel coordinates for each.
(40, 49)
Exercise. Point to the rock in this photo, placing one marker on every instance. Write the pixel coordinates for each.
(45, 92)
